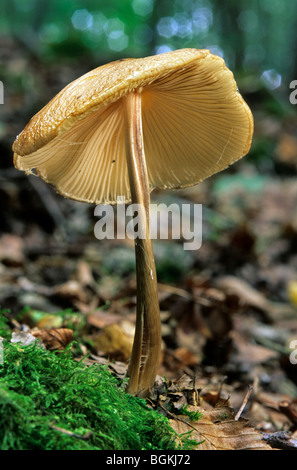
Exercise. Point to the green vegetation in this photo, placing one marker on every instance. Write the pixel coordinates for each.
(194, 415)
(50, 401)
(4, 328)
(248, 34)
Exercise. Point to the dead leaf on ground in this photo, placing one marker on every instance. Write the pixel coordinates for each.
(251, 297)
(54, 338)
(289, 409)
(248, 353)
(12, 250)
(218, 430)
(186, 356)
(117, 368)
(102, 318)
(281, 440)
(286, 149)
(84, 274)
(71, 290)
(115, 341)
(51, 338)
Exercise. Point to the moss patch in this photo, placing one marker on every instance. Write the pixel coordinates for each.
(50, 401)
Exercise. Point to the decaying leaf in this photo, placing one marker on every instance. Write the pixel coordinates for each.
(289, 409)
(11, 250)
(281, 440)
(51, 338)
(292, 292)
(54, 338)
(115, 341)
(218, 430)
(249, 296)
(71, 290)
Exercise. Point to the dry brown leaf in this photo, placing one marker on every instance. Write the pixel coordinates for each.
(267, 419)
(248, 353)
(286, 149)
(289, 409)
(84, 274)
(245, 292)
(186, 356)
(71, 290)
(218, 430)
(115, 342)
(117, 368)
(251, 297)
(54, 338)
(11, 250)
(86, 308)
(102, 318)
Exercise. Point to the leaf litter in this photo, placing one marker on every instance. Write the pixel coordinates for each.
(229, 310)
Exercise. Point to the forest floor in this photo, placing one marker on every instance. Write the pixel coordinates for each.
(228, 310)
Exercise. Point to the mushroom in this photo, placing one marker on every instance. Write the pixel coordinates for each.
(125, 128)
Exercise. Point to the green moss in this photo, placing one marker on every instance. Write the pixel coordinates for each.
(41, 391)
(4, 328)
(194, 415)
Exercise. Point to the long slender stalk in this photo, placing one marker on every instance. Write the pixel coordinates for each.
(145, 356)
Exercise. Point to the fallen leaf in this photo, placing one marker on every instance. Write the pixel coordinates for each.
(54, 338)
(248, 353)
(289, 408)
(281, 440)
(84, 274)
(286, 149)
(292, 292)
(245, 292)
(70, 290)
(11, 250)
(186, 356)
(218, 430)
(117, 368)
(101, 318)
(115, 342)
(251, 297)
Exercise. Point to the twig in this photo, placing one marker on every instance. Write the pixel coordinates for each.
(221, 387)
(85, 436)
(243, 405)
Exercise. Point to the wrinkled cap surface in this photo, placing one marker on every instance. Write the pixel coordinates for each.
(195, 123)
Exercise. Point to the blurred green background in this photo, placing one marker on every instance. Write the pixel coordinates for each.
(44, 45)
(256, 36)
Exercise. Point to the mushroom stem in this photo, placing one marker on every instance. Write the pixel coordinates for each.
(146, 350)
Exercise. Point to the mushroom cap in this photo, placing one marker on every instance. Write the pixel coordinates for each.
(195, 123)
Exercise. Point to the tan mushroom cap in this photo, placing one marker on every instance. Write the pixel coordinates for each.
(195, 123)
